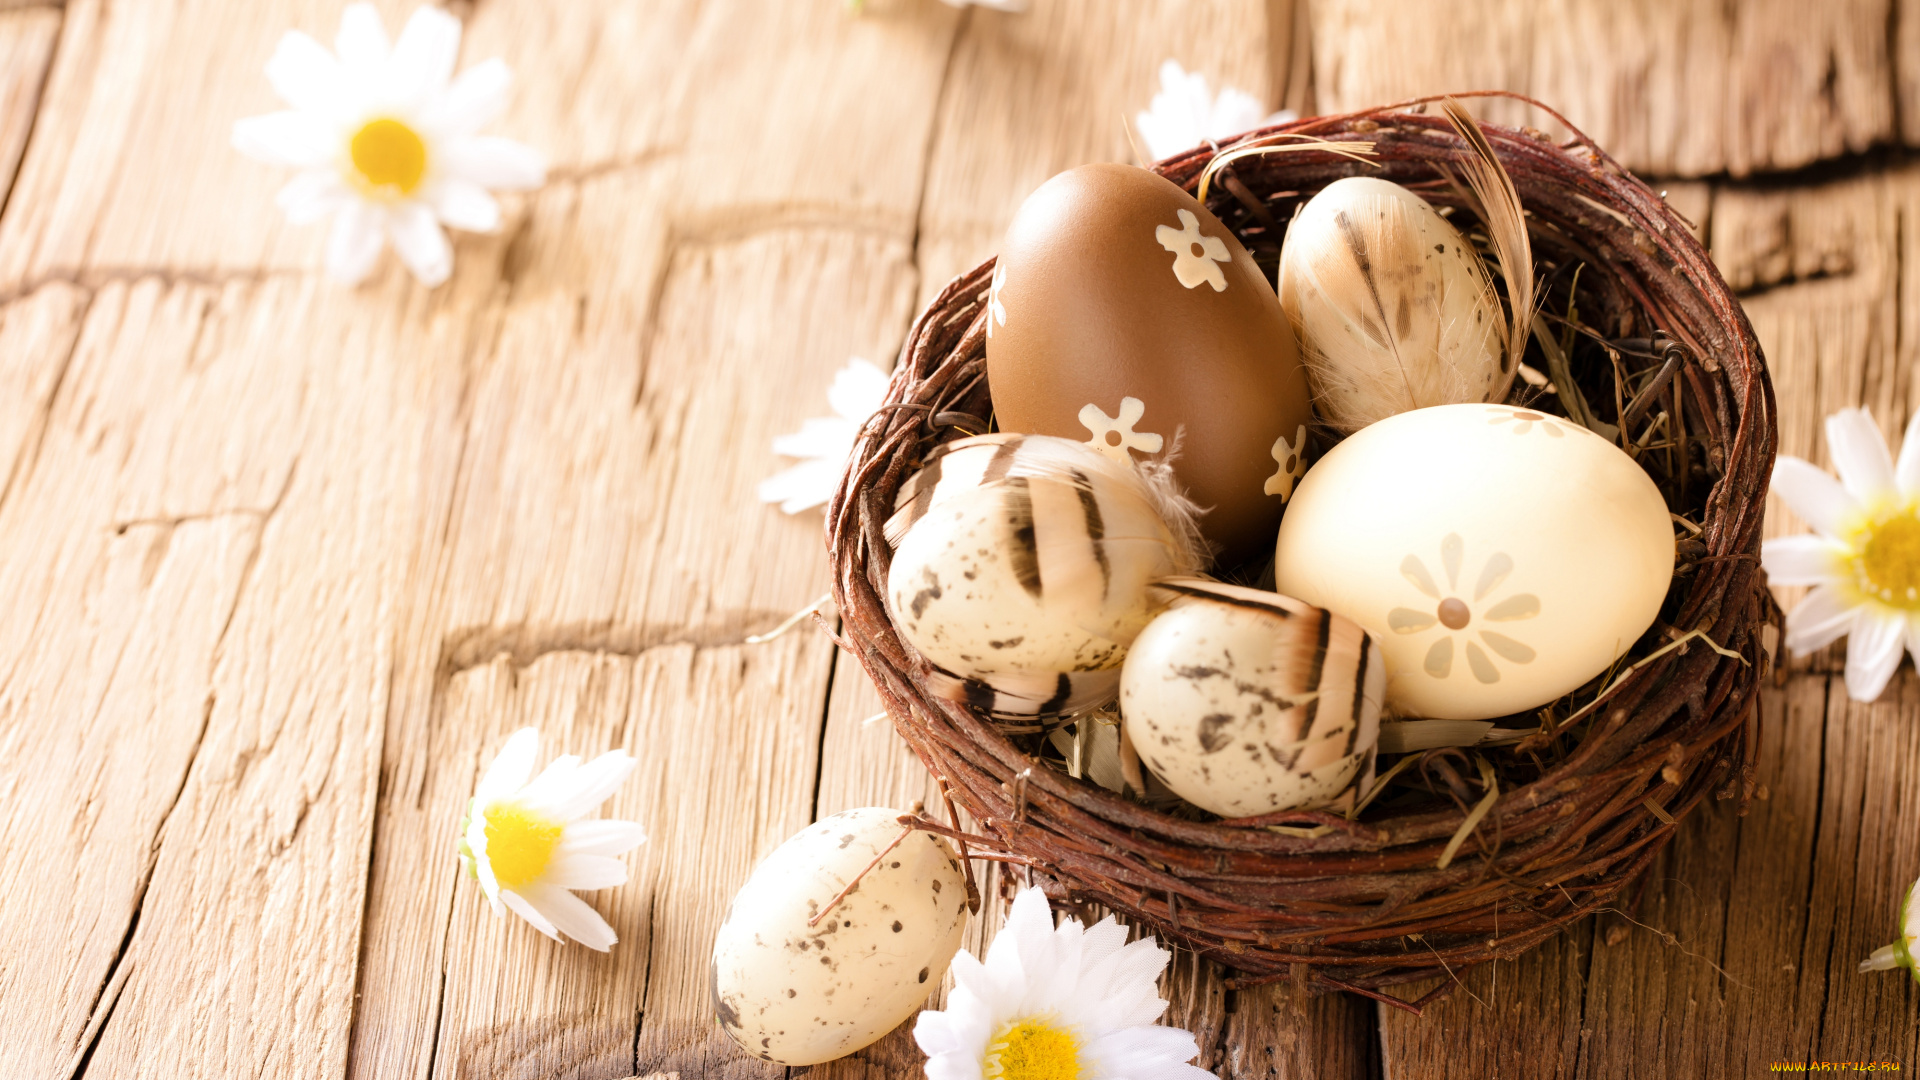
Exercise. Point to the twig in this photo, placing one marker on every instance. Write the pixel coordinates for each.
(792, 621)
(855, 883)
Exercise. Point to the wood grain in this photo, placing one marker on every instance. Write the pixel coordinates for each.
(27, 38)
(286, 562)
(1681, 88)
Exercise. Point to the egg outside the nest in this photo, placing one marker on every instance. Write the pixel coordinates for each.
(796, 994)
(1246, 702)
(1393, 308)
(1123, 312)
(1502, 557)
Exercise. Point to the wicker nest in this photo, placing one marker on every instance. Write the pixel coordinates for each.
(1581, 807)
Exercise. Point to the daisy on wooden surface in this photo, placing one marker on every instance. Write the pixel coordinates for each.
(1900, 954)
(824, 443)
(384, 138)
(1185, 113)
(527, 845)
(1056, 1003)
(1864, 557)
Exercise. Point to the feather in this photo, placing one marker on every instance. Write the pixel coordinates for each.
(1506, 224)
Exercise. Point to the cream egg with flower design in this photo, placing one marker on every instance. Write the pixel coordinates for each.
(1502, 557)
(385, 138)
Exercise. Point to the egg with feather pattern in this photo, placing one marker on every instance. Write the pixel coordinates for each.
(1123, 312)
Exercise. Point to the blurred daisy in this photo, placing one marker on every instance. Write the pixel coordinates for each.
(384, 138)
(1185, 113)
(1068, 1003)
(527, 845)
(824, 443)
(1900, 954)
(1864, 559)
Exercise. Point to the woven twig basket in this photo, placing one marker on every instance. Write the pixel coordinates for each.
(1583, 806)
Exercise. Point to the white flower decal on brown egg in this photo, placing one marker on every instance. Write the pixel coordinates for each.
(1457, 616)
(1196, 258)
(1114, 436)
(1525, 420)
(1291, 457)
(996, 309)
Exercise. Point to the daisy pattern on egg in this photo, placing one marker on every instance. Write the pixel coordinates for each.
(385, 140)
(1196, 257)
(1291, 457)
(1453, 614)
(1114, 435)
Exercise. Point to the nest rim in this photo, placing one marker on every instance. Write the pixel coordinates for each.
(1360, 905)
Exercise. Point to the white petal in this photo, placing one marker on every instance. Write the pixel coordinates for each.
(423, 58)
(1143, 1050)
(601, 836)
(1873, 652)
(953, 1066)
(1906, 472)
(1823, 617)
(305, 74)
(313, 195)
(355, 243)
(594, 784)
(463, 205)
(477, 843)
(474, 100)
(802, 487)
(858, 389)
(1819, 500)
(1860, 454)
(290, 137)
(553, 784)
(362, 40)
(510, 769)
(525, 909)
(568, 871)
(827, 437)
(1801, 560)
(573, 917)
(494, 163)
(420, 243)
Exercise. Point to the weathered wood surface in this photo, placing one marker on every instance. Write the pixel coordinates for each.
(285, 562)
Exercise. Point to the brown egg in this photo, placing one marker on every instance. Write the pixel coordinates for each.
(1122, 312)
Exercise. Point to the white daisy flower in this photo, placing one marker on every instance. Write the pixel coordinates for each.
(1056, 1004)
(1185, 113)
(1900, 954)
(824, 443)
(527, 845)
(1864, 561)
(384, 138)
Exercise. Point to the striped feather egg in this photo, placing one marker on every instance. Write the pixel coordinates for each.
(1246, 702)
(1021, 569)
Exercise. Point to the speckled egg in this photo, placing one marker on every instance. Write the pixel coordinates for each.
(1246, 702)
(797, 994)
(1022, 567)
(1501, 556)
(1121, 313)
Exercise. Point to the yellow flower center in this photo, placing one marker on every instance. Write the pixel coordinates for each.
(1886, 561)
(519, 844)
(389, 154)
(1034, 1048)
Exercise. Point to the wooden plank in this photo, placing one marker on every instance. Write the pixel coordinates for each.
(1820, 271)
(704, 283)
(1689, 88)
(145, 701)
(27, 38)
